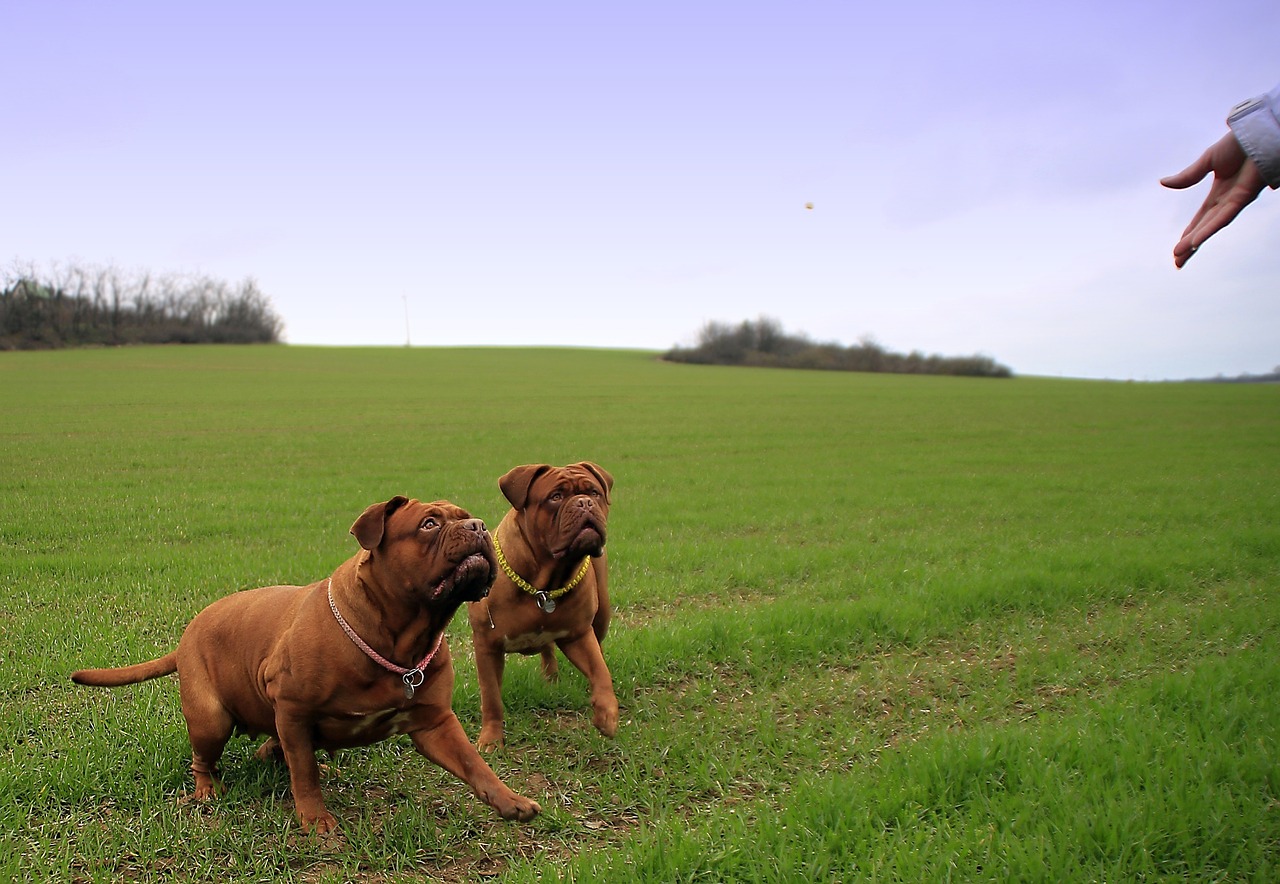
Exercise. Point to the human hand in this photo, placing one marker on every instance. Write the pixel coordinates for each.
(1236, 183)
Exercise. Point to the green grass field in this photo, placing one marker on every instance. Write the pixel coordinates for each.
(867, 627)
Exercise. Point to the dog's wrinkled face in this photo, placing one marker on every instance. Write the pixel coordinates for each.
(435, 551)
(566, 509)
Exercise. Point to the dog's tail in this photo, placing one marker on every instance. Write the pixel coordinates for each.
(121, 675)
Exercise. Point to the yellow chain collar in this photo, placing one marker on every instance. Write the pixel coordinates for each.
(529, 587)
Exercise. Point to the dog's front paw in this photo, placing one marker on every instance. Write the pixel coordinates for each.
(321, 823)
(490, 739)
(606, 718)
(516, 807)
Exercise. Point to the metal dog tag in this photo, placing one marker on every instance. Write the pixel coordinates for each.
(545, 602)
(412, 680)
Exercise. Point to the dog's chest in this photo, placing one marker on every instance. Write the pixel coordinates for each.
(367, 727)
(532, 641)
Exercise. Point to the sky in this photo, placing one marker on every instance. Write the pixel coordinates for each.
(983, 176)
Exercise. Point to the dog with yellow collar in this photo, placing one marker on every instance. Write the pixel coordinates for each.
(551, 590)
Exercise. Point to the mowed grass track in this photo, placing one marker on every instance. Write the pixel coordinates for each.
(867, 627)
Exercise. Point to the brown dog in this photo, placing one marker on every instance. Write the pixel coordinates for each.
(344, 662)
(552, 588)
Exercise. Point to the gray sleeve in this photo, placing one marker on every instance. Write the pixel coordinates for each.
(1256, 125)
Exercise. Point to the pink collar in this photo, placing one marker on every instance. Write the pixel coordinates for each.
(412, 678)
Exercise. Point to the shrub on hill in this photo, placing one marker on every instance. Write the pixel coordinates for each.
(79, 306)
(763, 343)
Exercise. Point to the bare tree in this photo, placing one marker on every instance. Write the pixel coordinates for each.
(76, 305)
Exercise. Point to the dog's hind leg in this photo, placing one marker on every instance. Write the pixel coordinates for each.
(208, 737)
(550, 670)
(209, 726)
(270, 750)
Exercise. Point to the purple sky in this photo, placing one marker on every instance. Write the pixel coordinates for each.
(983, 175)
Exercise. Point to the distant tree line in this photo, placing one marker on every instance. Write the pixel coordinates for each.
(1272, 377)
(763, 343)
(83, 306)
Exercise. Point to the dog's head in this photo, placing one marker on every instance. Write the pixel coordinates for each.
(563, 509)
(434, 552)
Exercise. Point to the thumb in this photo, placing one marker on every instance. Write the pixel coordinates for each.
(1191, 174)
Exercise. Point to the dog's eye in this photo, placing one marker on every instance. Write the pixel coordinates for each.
(428, 523)
(556, 496)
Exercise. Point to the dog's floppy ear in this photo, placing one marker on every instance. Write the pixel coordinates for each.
(516, 483)
(601, 474)
(369, 527)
